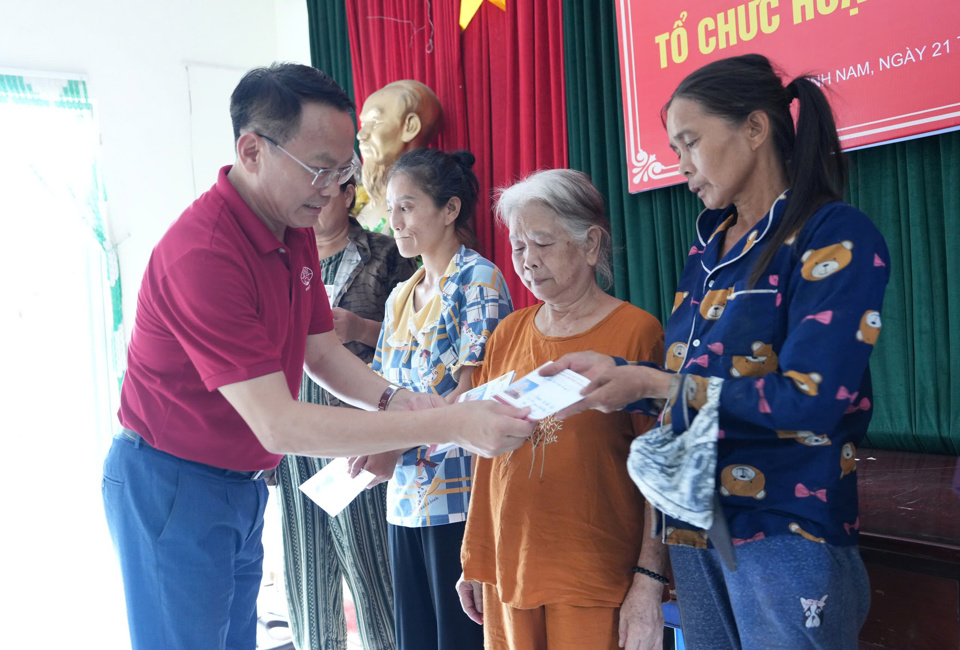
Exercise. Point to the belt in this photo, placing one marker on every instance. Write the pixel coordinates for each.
(268, 475)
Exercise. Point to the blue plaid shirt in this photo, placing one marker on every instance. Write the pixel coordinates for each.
(424, 352)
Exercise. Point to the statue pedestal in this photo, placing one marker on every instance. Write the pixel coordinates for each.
(375, 217)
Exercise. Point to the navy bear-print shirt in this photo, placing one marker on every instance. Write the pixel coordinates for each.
(793, 351)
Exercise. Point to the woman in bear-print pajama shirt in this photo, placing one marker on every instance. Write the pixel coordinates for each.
(766, 389)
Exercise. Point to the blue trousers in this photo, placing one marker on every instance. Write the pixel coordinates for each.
(189, 541)
(787, 593)
(426, 566)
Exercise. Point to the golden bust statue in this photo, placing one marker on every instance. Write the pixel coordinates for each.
(401, 116)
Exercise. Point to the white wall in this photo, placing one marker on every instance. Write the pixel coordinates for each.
(62, 587)
(135, 53)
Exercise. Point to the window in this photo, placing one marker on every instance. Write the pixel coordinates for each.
(63, 352)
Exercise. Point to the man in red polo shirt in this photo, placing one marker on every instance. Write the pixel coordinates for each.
(231, 311)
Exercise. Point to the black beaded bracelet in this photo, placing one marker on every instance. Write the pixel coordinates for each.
(651, 574)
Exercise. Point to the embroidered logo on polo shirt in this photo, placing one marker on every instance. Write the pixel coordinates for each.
(305, 276)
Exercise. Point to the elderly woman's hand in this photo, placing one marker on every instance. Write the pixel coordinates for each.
(612, 387)
(588, 364)
(471, 599)
(641, 616)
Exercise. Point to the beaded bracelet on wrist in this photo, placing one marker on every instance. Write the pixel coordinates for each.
(651, 574)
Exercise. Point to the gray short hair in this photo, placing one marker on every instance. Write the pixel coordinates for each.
(569, 194)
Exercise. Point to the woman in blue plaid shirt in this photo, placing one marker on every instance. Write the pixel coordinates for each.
(434, 332)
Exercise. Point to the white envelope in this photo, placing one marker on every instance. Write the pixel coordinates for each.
(487, 390)
(544, 395)
(333, 489)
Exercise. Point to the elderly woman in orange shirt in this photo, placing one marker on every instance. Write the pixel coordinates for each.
(554, 550)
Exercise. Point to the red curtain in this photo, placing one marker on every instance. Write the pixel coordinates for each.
(410, 39)
(514, 83)
(500, 82)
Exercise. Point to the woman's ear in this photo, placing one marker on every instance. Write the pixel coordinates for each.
(452, 210)
(757, 127)
(592, 245)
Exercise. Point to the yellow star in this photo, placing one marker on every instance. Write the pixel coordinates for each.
(468, 8)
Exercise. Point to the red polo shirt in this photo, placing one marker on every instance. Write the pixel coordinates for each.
(222, 301)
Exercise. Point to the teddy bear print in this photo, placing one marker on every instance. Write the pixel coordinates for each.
(678, 299)
(795, 528)
(808, 438)
(848, 461)
(695, 390)
(676, 354)
(762, 361)
(729, 221)
(713, 304)
(742, 481)
(805, 383)
(819, 263)
(667, 414)
(869, 327)
(683, 537)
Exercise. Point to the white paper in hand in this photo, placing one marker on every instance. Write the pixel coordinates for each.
(487, 390)
(333, 489)
(544, 395)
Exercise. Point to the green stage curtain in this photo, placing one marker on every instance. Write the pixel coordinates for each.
(649, 239)
(910, 189)
(330, 41)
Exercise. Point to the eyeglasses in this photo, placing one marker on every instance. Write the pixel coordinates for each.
(322, 177)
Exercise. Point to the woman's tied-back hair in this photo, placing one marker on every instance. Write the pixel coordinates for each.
(810, 153)
(270, 100)
(576, 202)
(442, 176)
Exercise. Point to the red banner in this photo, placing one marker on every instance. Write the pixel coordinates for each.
(891, 67)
